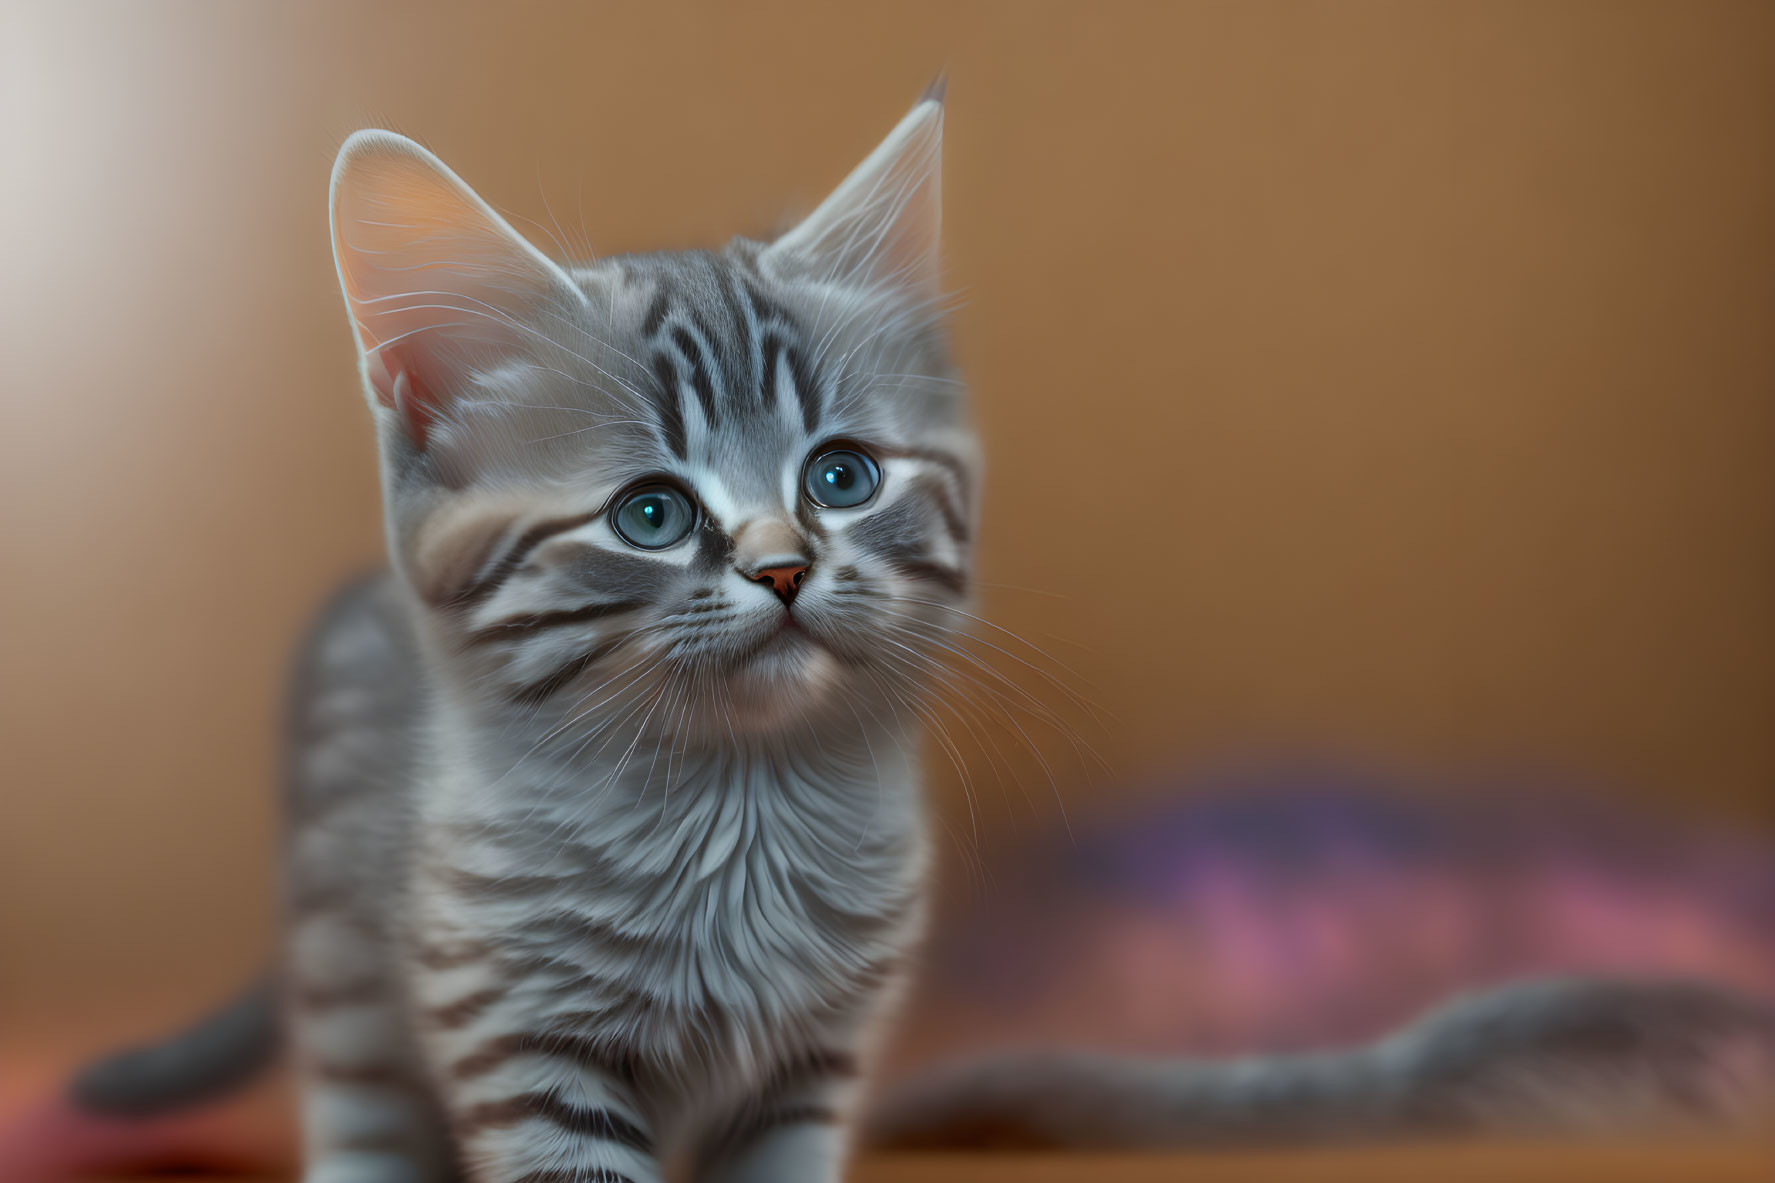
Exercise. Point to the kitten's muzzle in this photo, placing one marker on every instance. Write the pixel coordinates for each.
(784, 580)
(769, 550)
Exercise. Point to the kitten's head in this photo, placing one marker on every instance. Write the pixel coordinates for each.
(712, 490)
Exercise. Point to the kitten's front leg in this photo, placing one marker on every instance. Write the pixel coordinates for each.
(795, 1131)
(528, 1103)
(368, 1115)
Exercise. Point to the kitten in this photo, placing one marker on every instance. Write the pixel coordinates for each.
(605, 846)
(605, 836)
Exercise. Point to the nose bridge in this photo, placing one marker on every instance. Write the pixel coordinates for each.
(771, 551)
(765, 542)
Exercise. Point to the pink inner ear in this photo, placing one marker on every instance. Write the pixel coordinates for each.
(392, 378)
(437, 283)
(415, 405)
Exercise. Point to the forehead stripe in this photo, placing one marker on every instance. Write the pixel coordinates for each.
(665, 403)
(713, 330)
(746, 329)
(806, 389)
(656, 315)
(773, 349)
(762, 309)
(699, 373)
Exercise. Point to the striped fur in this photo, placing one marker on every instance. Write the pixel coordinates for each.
(600, 856)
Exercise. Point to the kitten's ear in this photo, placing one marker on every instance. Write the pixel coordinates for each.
(882, 224)
(439, 287)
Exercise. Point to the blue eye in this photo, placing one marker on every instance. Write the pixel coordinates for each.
(840, 478)
(654, 518)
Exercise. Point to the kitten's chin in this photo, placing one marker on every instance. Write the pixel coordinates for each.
(787, 682)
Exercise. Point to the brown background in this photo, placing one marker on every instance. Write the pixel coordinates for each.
(1385, 379)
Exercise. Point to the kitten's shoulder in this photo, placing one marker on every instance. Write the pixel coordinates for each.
(364, 622)
(357, 669)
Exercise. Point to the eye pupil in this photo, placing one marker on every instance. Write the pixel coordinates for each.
(842, 477)
(654, 518)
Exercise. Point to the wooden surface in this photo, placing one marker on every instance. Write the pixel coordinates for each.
(1445, 1164)
(261, 1123)
(1408, 1165)
(1617, 1163)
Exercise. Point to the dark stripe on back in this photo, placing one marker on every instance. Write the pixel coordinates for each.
(462, 1012)
(574, 1175)
(665, 401)
(315, 997)
(365, 1075)
(451, 957)
(370, 1141)
(316, 805)
(313, 896)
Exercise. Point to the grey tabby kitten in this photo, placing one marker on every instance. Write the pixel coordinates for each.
(606, 847)
(606, 839)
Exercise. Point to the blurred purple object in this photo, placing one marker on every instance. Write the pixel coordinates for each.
(1281, 910)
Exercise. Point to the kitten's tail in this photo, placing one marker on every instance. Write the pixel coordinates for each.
(143, 1107)
(1560, 1057)
(1571, 1056)
(207, 1060)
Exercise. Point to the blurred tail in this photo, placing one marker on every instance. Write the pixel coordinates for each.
(1561, 1057)
(141, 1107)
(209, 1059)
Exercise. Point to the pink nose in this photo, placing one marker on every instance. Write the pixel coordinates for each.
(785, 581)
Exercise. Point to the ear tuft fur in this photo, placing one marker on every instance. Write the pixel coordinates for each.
(882, 225)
